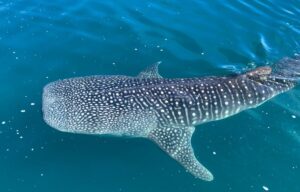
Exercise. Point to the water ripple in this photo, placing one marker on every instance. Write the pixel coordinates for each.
(42, 41)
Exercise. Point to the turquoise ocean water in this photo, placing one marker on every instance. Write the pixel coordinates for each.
(42, 41)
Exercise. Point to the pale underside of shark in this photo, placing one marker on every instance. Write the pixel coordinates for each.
(161, 109)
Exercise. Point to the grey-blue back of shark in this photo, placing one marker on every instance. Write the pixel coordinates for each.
(163, 110)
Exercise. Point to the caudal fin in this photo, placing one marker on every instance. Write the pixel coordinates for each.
(287, 68)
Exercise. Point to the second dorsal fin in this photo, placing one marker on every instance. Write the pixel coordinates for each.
(259, 73)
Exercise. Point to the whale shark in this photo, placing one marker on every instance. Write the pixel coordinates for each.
(164, 110)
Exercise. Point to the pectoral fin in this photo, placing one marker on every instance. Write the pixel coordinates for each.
(177, 143)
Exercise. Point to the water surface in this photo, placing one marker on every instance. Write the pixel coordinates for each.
(42, 41)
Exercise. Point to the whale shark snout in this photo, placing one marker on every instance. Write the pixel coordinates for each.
(54, 107)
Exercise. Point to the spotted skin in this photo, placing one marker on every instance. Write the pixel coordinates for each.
(161, 109)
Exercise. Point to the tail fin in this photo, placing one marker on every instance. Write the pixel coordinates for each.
(287, 68)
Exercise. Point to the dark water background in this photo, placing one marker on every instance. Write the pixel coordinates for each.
(42, 41)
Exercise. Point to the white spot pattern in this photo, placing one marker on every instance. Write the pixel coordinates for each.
(165, 110)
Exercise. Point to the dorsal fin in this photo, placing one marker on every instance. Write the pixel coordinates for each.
(151, 71)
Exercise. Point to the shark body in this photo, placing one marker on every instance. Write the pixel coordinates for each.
(161, 109)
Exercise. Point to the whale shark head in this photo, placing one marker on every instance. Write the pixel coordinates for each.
(74, 105)
(55, 106)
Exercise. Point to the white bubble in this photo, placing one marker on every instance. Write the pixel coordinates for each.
(32, 104)
(22, 110)
(265, 188)
(214, 153)
(3, 122)
(294, 116)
